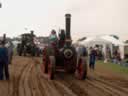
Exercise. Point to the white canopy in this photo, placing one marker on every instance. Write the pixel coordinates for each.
(113, 40)
(102, 40)
(105, 41)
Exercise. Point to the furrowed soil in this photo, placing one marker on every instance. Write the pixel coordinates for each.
(26, 79)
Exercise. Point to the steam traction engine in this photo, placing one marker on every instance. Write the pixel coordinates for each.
(27, 45)
(62, 57)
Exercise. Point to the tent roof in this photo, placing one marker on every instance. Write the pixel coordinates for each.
(112, 40)
(102, 40)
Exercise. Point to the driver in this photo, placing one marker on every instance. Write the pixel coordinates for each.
(53, 37)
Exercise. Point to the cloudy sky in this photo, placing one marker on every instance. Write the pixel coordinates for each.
(89, 17)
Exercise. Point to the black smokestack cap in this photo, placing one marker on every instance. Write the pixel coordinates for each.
(32, 32)
(68, 26)
(4, 38)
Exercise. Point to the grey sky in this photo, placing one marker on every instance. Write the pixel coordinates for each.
(89, 17)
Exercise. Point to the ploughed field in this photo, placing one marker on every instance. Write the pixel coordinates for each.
(26, 80)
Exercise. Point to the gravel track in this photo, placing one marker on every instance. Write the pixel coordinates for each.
(27, 80)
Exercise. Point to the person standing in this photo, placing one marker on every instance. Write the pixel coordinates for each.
(9, 47)
(92, 58)
(3, 62)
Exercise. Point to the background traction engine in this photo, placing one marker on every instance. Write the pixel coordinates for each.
(63, 57)
(27, 45)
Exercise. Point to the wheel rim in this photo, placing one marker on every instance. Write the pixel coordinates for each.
(44, 61)
(43, 65)
(43, 68)
(80, 70)
(50, 70)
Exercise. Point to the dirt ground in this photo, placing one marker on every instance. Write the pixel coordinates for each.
(27, 80)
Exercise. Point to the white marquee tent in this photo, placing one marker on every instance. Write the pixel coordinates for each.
(104, 41)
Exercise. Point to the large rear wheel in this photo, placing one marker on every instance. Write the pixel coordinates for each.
(51, 67)
(81, 70)
(44, 66)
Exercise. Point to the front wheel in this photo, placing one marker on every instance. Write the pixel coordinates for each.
(81, 70)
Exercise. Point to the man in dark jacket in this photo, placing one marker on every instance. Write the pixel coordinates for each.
(92, 58)
(3, 62)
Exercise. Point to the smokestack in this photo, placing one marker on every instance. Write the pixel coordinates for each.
(32, 35)
(32, 32)
(68, 25)
(4, 38)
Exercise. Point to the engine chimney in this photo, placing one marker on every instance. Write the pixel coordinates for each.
(68, 25)
(4, 38)
(32, 32)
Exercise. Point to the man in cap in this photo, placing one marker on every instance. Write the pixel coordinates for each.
(3, 61)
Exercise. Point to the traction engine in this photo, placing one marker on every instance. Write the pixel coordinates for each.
(62, 56)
